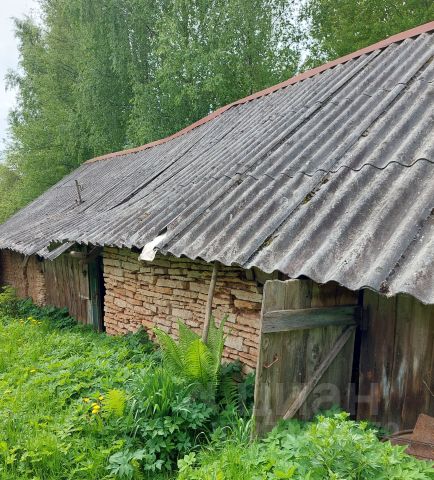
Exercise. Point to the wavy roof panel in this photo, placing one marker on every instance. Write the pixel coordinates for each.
(330, 176)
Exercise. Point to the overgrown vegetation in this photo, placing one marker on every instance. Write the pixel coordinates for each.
(80, 405)
(76, 404)
(330, 448)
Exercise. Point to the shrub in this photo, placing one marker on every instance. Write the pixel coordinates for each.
(332, 448)
(9, 303)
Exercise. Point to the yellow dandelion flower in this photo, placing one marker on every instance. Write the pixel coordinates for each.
(86, 399)
(101, 397)
(95, 405)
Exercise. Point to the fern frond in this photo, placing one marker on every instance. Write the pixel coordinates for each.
(186, 337)
(174, 359)
(199, 362)
(114, 402)
(228, 389)
(216, 342)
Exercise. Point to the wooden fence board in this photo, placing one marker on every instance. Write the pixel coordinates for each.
(67, 286)
(302, 319)
(396, 361)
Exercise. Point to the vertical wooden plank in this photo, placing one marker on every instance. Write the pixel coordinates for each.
(401, 363)
(268, 377)
(397, 361)
(430, 373)
(334, 388)
(293, 367)
(376, 357)
(67, 286)
(414, 338)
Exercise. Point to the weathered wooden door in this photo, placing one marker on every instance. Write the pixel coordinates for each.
(306, 350)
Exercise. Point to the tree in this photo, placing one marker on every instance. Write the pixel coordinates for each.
(96, 77)
(209, 53)
(338, 27)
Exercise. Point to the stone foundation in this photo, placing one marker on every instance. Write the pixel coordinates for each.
(159, 293)
(27, 278)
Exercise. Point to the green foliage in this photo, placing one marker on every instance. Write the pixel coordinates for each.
(9, 303)
(235, 388)
(125, 464)
(193, 360)
(208, 54)
(333, 448)
(95, 77)
(338, 27)
(80, 405)
(114, 402)
(53, 416)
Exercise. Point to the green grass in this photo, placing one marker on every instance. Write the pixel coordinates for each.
(48, 430)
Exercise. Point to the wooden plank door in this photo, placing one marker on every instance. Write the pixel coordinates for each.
(306, 350)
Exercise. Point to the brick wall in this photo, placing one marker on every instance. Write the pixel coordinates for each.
(27, 279)
(158, 293)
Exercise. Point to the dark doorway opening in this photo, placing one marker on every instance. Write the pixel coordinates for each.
(97, 292)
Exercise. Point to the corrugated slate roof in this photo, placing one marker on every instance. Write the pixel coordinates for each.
(330, 176)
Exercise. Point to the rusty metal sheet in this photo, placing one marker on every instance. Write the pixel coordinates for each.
(330, 177)
(420, 441)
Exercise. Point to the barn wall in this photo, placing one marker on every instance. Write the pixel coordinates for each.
(27, 278)
(67, 286)
(397, 361)
(160, 292)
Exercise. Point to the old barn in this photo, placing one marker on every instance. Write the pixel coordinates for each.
(323, 185)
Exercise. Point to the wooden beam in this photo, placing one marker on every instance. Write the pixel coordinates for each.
(324, 365)
(208, 311)
(287, 320)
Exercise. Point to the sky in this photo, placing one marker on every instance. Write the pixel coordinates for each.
(9, 53)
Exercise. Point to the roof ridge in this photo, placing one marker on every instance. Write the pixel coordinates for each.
(427, 27)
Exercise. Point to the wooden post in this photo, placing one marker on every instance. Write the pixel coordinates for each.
(25, 276)
(79, 189)
(209, 303)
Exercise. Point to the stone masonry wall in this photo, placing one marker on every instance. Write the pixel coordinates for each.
(28, 279)
(160, 292)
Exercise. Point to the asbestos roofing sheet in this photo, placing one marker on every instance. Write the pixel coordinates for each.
(331, 177)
